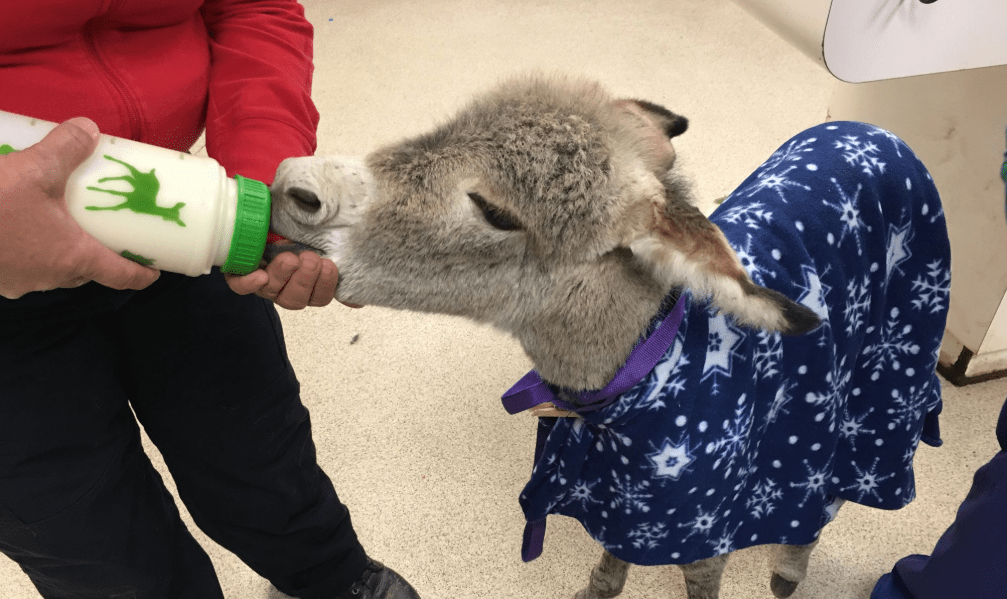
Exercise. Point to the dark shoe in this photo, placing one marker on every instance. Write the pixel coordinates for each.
(379, 582)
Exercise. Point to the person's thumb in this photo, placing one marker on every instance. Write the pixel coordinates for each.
(61, 151)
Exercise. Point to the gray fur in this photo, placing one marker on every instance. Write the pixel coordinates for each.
(607, 226)
(702, 578)
(600, 228)
(607, 579)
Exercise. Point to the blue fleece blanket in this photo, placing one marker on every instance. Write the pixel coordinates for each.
(739, 437)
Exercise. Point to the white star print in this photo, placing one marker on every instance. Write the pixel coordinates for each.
(672, 459)
(899, 239)
(814, 292)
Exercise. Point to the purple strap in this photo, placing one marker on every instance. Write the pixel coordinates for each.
(531, 391)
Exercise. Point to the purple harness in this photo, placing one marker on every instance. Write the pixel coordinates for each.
(531, 391)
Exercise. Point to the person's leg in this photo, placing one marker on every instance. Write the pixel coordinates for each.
(208, 377)
(970, 559)
(82, 511)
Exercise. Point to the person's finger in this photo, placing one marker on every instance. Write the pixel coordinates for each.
(296, 294)
(114, 271)
(279, 271)
(325, 287)
(253, 282)
(107, 268)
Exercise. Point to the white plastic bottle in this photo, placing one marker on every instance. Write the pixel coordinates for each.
(165, 209)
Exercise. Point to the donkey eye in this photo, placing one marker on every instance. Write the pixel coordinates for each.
(493, 215)
(307, 200)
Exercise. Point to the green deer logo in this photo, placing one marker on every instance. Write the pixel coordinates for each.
(143, 198)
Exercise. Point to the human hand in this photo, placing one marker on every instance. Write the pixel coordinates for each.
(41, 246)
(293, 281)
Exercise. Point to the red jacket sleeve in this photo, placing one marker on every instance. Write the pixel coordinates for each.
(259, 109)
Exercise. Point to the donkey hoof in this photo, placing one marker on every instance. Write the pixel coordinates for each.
(595, 593)
(600, 591)
(781, 587)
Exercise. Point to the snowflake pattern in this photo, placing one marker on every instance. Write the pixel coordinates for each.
(896, 344)
(933, 288)
(858, 304)
(602, 538)
(732, 445)
(868, 481)
(852, 427)
(725, 542)
(702, 524)
(582, 492)
(861, 154)
(849, 216)
(780, 400)
(831, 398)
(763, 500)
(754, 215)
(779, 183)
(906, 409)
(751, 264)
(768, 354)
(646, 536)
(742, 437)
(611, 440)
(896, 142)
(629, 495)
(813, 484)
(771, 177)
(794, 151)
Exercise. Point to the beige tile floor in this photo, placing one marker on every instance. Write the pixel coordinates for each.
(407, 419)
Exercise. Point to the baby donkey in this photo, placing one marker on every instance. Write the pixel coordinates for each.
(722, 382)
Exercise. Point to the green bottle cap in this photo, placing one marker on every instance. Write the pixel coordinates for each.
(251, 225)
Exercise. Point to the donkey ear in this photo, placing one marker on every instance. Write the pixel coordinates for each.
(654, 126)
(685, 249)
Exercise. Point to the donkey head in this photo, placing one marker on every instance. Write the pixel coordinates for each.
(546, 208)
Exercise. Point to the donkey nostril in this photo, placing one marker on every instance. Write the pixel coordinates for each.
(306, 199)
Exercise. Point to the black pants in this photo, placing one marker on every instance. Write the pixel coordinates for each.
(83, 512)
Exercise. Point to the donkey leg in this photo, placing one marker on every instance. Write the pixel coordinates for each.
(702, 578)
(790, 562)
(607, 578)
(790, 567)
